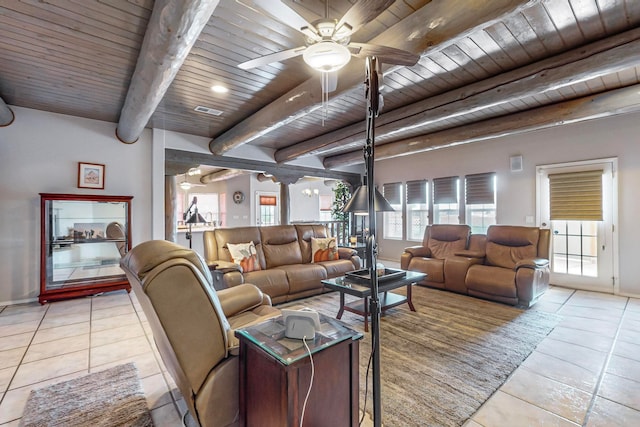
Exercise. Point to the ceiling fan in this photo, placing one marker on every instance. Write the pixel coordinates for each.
(185, 184)
(328, 41)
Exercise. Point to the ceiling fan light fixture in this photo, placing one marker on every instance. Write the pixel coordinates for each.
(326, 56)
(185, 185)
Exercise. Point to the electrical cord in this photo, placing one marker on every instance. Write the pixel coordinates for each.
(304, 406)
(366, 384)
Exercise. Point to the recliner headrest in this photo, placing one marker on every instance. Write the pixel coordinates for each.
(147, 255)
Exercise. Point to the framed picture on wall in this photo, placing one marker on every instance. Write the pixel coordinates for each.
(90, 175)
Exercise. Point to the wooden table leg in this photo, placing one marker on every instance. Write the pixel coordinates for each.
(341, 311)
(411, 307)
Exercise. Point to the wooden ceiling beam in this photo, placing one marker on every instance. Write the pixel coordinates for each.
(543, 75)
(431, 28)
(6, 115)
(221, 175)
(605, 104)
(173, 28)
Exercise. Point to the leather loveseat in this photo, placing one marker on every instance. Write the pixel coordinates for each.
(284, 268)
(509, 264)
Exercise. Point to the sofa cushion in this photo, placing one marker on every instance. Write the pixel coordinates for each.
(280, 245)
(324, 249)
(272, 282)
(492, 281)
(245, 255)
(434, 268)
(444, 240)
(303, 277)
(305, 233)
(337, 268)
(506, 245)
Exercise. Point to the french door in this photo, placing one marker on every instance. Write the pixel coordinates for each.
(583, 252)
(267, 208)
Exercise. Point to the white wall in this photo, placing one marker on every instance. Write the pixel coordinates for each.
(516, 192)
(39, 153)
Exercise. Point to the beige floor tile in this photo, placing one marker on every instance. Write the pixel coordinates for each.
(41, 370)
(60, 332)
(597, 300)
(109, 336)
(584, 338)
(607, 329)
(146, 364)
(503, 410)
(633, 304)
(621, 390)
(627, 349)
(632, 315)
(584, 357)
(11, 357)
(24, 308)
(49, 349)
(629, 336)
(606, 413)
(166, 416)
(119, 350)
(561, 371)
(555, 397)
(20, 328)
(15, 341)
(12, 319)
(56, 320)
(624, 367)
(15, 423)
(5, 377)
(547, 306)
(114, 322)
(117, 310)
(112, 299)
(156, 391)
(471, 423)
(631, 324)
(12, 405)
(72, 306)
(606, 314)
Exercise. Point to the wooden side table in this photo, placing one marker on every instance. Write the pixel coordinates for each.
(275, 373)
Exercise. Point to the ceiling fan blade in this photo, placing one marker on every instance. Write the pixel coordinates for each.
(272, 57)
(287, 16)
(360, 14)
(386, 54)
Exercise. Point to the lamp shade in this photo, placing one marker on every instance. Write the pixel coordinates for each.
(326, 56)
(359, 202)
(196, 218)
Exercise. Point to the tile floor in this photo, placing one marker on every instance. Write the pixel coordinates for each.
(586, 372)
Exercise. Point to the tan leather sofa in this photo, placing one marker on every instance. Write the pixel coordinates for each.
(284, 255)
(440, 241)
(515, 266)
(509, 264)
(193, 325)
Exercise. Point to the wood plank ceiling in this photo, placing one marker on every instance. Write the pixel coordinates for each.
(487, 68)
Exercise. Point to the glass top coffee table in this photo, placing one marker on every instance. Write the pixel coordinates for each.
(362, 289)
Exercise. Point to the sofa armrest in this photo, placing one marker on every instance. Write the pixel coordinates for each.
(455, 271)
(471, 254)
(226, 266)
(532, 263)
(241, 298)
(346, 253)
(416, 251)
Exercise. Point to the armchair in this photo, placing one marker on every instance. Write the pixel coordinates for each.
(440, 241)
(192, 325)
(515, 269)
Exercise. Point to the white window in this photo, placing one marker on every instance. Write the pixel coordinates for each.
(267, 209)
(417, 209)
(326, 201)
(480, 201)
(207, 204)
(446, 209)
(393, 225)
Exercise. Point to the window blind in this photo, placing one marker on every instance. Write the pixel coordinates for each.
(325, 202)
(445, 190)
(267, 201)
(576, 195)
(392, 192)
(480, 189)
(416, 192)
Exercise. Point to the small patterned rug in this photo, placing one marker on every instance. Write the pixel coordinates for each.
(109, 398)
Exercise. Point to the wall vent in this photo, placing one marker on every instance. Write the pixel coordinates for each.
(207, 110)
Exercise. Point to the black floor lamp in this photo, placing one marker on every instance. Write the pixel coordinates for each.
(194, 218)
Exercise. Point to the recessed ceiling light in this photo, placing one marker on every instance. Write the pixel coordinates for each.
(219, 89)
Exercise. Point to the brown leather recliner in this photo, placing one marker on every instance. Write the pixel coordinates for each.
(515, 269)
(193, 325)
(440, 241)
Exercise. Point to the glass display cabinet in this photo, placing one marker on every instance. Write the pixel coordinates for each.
(83, 239)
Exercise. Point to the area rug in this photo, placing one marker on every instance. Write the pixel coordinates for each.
(108, 398)
(441, 363)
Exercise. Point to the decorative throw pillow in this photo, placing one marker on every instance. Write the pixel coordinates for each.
(245, 255)
(324, 249)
